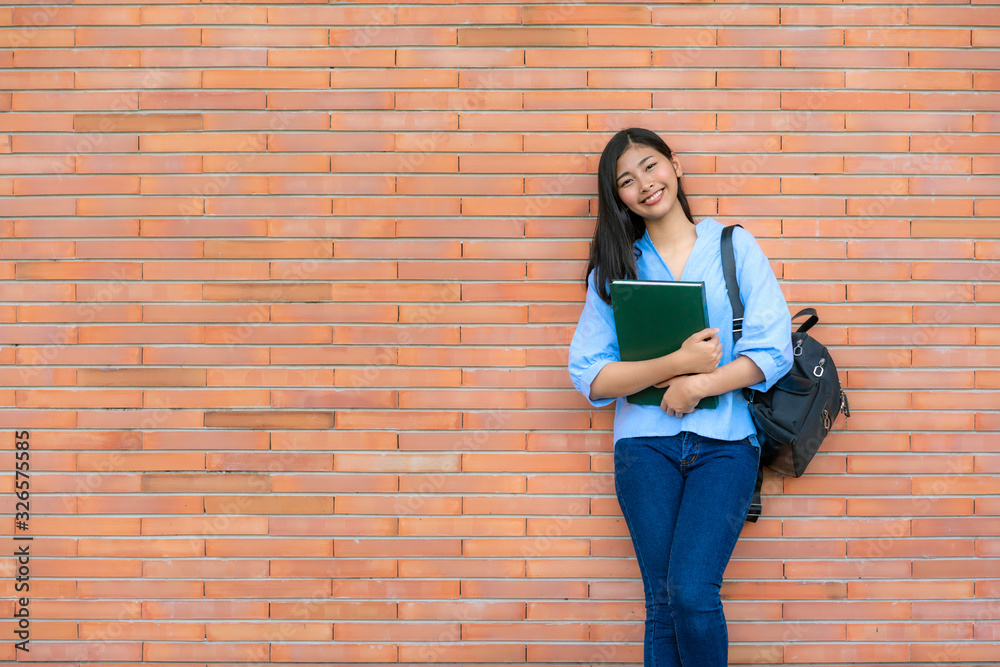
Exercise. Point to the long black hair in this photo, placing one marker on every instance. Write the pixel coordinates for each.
(618, 228)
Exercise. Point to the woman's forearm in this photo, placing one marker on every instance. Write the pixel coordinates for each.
(684, 393)
(621, 378)
(739, 373)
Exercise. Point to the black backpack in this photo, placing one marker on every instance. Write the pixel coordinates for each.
(796, 413)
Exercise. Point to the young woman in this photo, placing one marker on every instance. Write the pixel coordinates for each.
(684, 477)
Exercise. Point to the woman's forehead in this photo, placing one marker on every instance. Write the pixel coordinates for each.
(637, 153)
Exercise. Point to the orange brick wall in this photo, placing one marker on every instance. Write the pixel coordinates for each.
(288, 290)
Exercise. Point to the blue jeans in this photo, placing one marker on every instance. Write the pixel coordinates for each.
(684, 499)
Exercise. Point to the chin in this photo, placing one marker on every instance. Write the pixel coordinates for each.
(656, 212)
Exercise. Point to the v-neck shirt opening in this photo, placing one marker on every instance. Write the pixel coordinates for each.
(646, 243)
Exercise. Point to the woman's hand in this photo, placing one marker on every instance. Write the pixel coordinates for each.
(702, 352)
(683, 394)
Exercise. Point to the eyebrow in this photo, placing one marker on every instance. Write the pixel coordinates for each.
(625, 173)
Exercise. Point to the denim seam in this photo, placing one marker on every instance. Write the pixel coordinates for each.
(651, 609)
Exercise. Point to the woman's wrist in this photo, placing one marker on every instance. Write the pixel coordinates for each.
(699, 385)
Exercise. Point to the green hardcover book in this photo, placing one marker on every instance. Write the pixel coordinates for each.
(653, 318)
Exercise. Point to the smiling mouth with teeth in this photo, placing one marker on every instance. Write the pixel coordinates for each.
(655, 195)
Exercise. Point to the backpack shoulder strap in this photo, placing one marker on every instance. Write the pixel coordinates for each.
(733, 289)
(756, 507)
(732, 284)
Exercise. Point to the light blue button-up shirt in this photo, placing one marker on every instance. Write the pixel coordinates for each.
(766, 336)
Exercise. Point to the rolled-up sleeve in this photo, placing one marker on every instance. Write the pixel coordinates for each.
(766, 322)
(594, 344)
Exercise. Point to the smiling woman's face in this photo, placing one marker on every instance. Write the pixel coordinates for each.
(647, 182)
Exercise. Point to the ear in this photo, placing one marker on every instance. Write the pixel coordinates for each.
(677, 166)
